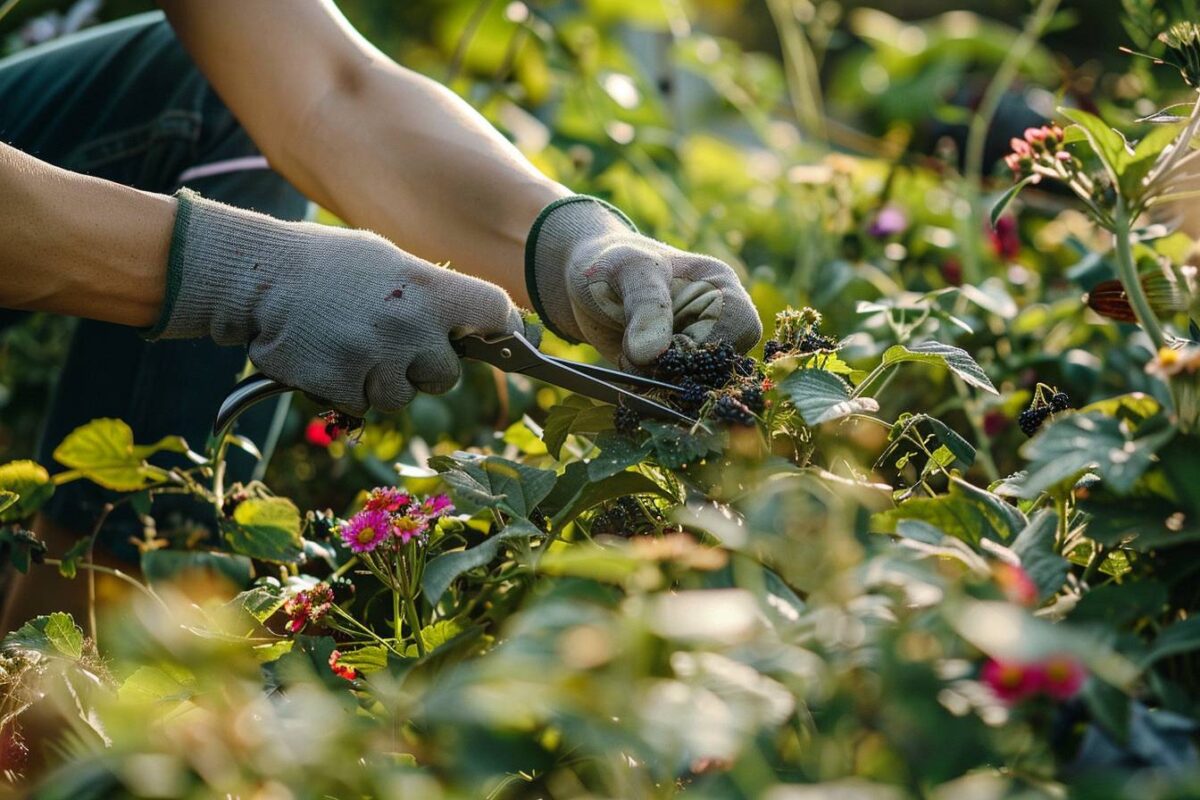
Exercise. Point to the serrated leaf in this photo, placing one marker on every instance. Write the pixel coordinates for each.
(1035, 547)
(953, 358)
(103, 452)
(55, 635)
(440, 572)
(1001, 205)
(266, 528)
(68, 565)
(1109, 145)
(436, 635)
(372, 658)
(31, 485)
(617, 453)
(821, 396)
(1079, 442)
(575, 415)
(495, 482)
(260, 602)
(966, 512)
(675, 446)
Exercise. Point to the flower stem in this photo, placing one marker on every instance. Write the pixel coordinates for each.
(1127, 271)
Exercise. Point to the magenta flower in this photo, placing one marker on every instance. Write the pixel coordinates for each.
(890, 221)
(408, 526)
(436, 506)
(1010, 681)
(363, 532)
(1062, 677)
(387, 498)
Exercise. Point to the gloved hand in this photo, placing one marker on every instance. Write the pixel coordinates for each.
(594, 278)
(341, 314)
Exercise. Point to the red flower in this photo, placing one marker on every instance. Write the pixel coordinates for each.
(317, 433)
(1062, 677)
(1005, 238)
(994, 422)
(341, 670)
(387, 498)
(1010, 681)
(1016, 584)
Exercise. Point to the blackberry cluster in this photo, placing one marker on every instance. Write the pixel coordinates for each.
(752, 397)
(672, 364)
(710, 365)
(692, 397)
(773, 349)
(626, 420)
(730, 409)
(745, 367)
(813, 342)
(624, 517)
(1040, 409)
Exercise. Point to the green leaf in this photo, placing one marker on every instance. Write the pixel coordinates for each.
(365, 660)
(1035, 547)
(103, 451)
(617, 453)
(674, 446)
(68, 565)
(1118, 605)
(1108, 144)
(56, 636)
(575, 415)
(1144, 157)
(162, 683)
(593, 561)
(495, 482)
(1006, 199)
(1079, 442)
(261, 602)
(1135, 405)
(7, 499)
(821, 396)
(436, 635)
(953, 358)
(441, 571)
(164, 565)
(966, 512)
(266, 528)
(1181, 637)
(22, 548)
(594, 493)
(31, 484)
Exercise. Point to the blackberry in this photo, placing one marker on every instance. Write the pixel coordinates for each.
(623, 518)
(814, 342)
(626, 420)
(704, 368)
(730, 409)
(1060, 402)
(692, 396)
(1032, 418)
(672, 364)
(772, 349)
(752, 398)
(745, 367)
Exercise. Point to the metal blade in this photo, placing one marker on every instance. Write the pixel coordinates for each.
(573, 380)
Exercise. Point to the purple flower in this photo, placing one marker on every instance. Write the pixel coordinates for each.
(436, 505)
(890, 221)
(363, 532)
(409, 526)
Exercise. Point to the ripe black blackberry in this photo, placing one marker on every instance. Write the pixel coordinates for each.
(1031, 419)
(730, 409)
(773, 349)
(693, 396)
(623, 518)
(814, 342)
(1060, 402)
(672, 364)
(752, 398)
(745, 367)
(626, 420)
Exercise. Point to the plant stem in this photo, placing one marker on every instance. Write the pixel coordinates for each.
(116, 573)
(982, 121)
(1127, 271)
(410, 606)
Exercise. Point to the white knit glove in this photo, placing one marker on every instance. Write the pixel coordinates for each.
(343, 315)
(592, 277)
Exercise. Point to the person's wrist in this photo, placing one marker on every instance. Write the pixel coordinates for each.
(564, 229)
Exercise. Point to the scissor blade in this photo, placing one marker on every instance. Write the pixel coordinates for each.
(576, 381)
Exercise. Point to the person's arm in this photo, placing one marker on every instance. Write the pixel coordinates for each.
(81, 246)
(392, 151)
(379, 145)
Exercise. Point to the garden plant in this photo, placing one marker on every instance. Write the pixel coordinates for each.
(937, 536)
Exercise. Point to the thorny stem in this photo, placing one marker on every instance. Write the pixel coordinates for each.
(1127, 271)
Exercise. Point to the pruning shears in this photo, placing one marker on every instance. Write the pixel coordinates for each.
(510, 352)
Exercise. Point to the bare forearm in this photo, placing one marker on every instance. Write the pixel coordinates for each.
(82, 246)
(377, 144)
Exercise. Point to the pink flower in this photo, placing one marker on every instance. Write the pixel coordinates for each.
(1016, 584)
(890, 221)
(317, 433)
(408, 526)
(1036, 135)
(436, 506)
(363, 532)
(341, 670)
(1021, 148)
(1062, 676)
(387, 498)
(1010, 681)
